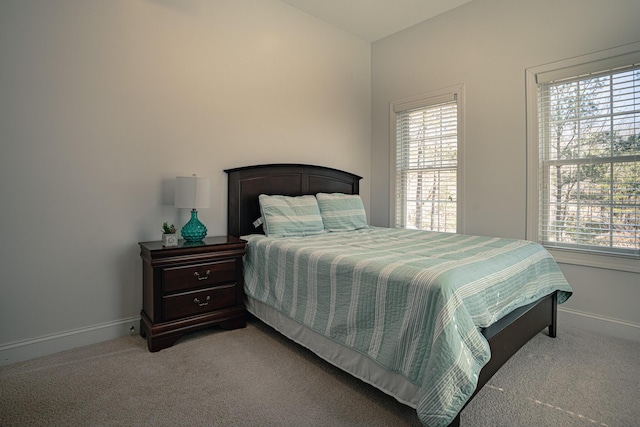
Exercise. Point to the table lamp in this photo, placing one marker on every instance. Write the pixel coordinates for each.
(193, 192)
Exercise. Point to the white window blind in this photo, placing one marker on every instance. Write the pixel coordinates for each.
(589, 160)
(426, 166)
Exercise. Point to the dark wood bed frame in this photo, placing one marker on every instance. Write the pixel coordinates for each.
(245, 184)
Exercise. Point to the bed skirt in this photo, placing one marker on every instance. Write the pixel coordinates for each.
(347, 359)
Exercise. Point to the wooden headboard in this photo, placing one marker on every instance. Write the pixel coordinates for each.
(245, 184)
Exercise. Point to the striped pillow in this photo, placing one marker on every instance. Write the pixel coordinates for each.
(342, 212)
(285, 216)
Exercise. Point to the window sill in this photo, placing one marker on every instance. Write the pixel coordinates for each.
(561, 256)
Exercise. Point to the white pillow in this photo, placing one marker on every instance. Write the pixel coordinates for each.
(285, 216)
(342, 212)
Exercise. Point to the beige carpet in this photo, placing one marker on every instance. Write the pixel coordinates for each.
(254, 377)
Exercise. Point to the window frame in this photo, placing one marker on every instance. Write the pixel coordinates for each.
(425, 100)
(574, 67)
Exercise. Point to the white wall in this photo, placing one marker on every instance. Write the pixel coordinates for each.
(487, 45)
(103, 103)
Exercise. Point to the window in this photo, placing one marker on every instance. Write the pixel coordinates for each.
(585, 154)
(426, 161)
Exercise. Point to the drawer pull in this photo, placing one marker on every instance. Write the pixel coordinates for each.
(202, 304)
(203, 277)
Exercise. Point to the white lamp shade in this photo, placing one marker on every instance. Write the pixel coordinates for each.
(192, 192)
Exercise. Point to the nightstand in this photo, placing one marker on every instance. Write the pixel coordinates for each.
(190, 286)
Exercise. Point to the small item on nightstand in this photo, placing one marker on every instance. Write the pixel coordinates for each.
(169, 235)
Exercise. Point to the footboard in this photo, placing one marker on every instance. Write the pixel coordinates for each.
(513, 331)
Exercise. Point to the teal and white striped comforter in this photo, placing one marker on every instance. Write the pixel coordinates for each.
(413, 301)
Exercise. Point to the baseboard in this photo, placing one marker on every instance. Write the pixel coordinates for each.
(49, 344)
(599, 324)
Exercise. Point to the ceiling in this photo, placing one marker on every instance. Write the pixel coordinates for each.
(372, 20)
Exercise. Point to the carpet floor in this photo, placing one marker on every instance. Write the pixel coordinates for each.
(256, 377)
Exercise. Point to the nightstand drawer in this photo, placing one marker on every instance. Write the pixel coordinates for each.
(199, 275)
(198, 302)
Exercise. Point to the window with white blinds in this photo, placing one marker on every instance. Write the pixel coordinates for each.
(426, 163)
(588, 156)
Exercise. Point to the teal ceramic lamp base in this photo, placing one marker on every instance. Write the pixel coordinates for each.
(194, 230)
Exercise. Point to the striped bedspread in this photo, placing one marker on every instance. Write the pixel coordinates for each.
(413, 301)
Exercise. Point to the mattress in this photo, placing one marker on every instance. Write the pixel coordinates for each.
(410, 302)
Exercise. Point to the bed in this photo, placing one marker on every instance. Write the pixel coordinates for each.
(434, 364)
